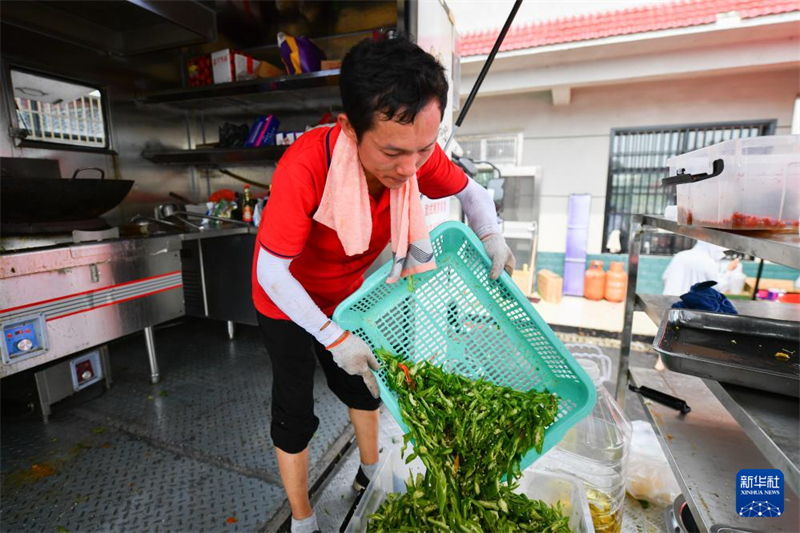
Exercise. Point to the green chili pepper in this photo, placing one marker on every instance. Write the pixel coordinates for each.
(466, 458)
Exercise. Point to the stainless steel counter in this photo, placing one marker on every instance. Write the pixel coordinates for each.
(772, 421)
(705, 449)
(655, 305)
(222, 232)
(73, 297)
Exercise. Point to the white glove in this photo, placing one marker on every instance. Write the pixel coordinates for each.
(355, 357)
(500, 254)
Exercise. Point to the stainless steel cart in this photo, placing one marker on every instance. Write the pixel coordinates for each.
(730, 427)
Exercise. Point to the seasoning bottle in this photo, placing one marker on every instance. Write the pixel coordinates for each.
(247, 206)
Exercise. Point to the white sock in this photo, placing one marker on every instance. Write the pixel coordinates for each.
(369, 470)
(306, 525)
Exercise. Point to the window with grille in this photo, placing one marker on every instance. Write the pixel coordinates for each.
(638, 162)
(499, 150)
(56, 111)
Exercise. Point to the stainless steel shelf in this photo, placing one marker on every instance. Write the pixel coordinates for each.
(772, 422)
(781, 248)
(705, 449)
(654, 305)
(227, 231)
(308, 91)
(215, 156)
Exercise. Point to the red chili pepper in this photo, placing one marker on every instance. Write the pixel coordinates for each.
(409, 381)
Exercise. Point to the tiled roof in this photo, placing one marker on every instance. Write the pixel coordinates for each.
(638, 19)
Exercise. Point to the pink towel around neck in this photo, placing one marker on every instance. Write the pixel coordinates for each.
(345, 209)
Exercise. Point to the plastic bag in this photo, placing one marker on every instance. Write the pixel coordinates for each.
(299, 54)
(650, 477)
(232, 135)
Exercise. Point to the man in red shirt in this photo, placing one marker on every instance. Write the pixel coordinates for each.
(394, 95)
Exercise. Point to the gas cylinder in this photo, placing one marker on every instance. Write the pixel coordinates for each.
(616, 282)
(594, 281)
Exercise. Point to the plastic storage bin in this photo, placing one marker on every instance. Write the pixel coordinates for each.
(458, 318)
(758, 188)
(546, 486)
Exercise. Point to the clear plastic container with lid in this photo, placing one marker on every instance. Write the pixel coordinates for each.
(596, 452)
(742, 184)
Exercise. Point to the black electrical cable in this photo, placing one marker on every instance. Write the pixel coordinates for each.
(488, 64)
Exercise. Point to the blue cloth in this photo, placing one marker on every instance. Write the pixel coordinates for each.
(703, 297)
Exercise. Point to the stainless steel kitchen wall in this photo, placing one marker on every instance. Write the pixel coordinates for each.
(131, 124)
(134, 125)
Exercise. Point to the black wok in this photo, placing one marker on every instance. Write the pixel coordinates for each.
(31, 200)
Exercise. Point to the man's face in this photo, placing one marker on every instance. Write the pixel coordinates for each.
(392, 152)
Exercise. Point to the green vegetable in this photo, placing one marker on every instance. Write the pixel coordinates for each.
(469, 434)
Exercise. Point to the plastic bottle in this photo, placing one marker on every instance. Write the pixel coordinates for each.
(596, 452)
(594, 281)
(616, 282)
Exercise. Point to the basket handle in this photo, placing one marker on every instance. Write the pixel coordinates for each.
(682, 177)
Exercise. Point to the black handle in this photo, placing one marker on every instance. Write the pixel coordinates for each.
(682, 177)
(181, 198)
(100, 170)
(662, 398)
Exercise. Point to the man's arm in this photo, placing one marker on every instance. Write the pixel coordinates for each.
(352, 354)
(289, 295)
(482, 218)
(479, 208)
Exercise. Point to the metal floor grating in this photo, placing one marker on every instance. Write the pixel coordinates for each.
(184, 455)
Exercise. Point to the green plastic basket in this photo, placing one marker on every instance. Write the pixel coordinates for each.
(458, 318)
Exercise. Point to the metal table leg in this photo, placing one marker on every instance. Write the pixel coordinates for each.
(151, 354)
(634, 248)
(44, 395)
(106, 362)
(231, 330)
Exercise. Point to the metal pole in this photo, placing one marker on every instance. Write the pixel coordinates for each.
(231, 330)
(758, 279)
(151, 354)
(484, 71)
(630, 304)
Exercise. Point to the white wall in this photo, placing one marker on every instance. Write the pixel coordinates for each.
(571, 142)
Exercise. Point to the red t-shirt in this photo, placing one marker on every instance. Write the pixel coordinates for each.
(288, 230)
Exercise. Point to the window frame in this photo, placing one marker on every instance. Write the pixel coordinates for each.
(483, 138)
(8, 65)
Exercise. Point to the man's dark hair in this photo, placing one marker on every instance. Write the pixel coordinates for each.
(391, 79)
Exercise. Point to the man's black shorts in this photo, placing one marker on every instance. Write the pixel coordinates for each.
(294, 352)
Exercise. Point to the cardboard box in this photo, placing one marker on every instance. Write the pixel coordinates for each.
(229, 65)
(769, 283)
(286, 138)
(330, 64)
(268, 70)
(550, 286)
(524, 280)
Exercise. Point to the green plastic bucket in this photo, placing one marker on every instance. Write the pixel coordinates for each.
(456, 317)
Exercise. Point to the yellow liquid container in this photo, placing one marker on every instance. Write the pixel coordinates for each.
(595, 451)
(604, 517)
